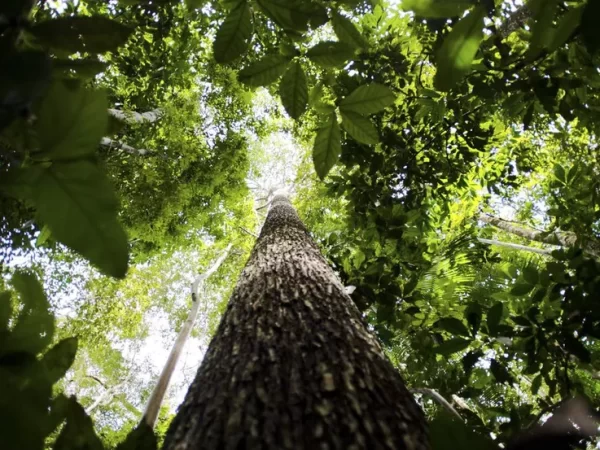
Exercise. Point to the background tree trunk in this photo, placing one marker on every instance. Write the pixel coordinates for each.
(292, 365)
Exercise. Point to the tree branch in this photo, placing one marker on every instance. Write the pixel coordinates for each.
(438, 398)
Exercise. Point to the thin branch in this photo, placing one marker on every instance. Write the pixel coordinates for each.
(248, 232)
(132, 117)
(438, 398)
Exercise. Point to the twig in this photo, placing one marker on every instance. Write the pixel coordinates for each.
(438, 398)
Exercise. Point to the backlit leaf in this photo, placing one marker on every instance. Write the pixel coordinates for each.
(265, 71)
(368, 99)
(346, 31)
(330, 54)
(234, 34)
(78, 204)
(327, 146)
(436, 8)
(455, 56)
(71, 122)
(359, 127)
(293, 90)
(59, 359)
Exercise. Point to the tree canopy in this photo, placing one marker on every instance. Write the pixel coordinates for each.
(442, 153)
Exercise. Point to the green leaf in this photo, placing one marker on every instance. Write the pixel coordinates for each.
(494, 316)
(447, 432)
(368, 99)
(78, 204)
(542, 30)
(453, 326)
(327, 147)
(559, 173)
(500, 372)
(452, 346)
(34, 327)
(589, 25)
(43, 237)
(330, 54)
(456, 54)
(71, 122)
(521, 289)
(293, 90)
(530, 275)
(233, 36)
(358, 259)
(78, 433)
(140, 438)
(576, 347)
(60, 358)
(359, 127)
(316, 100)
(290, 14)
(265, 71)
(94, 34)
(346, 31)
(434, 9)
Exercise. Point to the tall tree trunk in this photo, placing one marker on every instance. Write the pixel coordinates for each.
(564, 238)
(292, 365)
(158, 394)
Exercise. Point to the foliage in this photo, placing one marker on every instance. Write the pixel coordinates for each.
(418, 123)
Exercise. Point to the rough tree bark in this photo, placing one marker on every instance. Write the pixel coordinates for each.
(292, 365)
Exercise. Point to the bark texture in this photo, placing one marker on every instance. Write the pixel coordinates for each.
(292, 366)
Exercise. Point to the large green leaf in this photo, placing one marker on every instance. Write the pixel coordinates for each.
(453, 326)
(59, 359)
(293, 90)
(346, 31)
(494, 316)
(76, 201)
(330, 54)
(452, 346)
(292, 14)
(500, 372)
(542, 31)
(368, 99)
(359, 127)
(234, 34)
(436, 8)
(71, 122)
(34, 327)
(140, 438)
(78, 433)
(455, 56)
(327, 147)
(265, 71)
(94, 34)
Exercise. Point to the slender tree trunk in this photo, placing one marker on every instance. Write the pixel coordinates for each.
(292, 365)
(132, 117)
(158, 394)
(565, 238)
(541, 251)
(111, 143)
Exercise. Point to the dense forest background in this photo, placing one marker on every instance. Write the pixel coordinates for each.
(443, 154)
